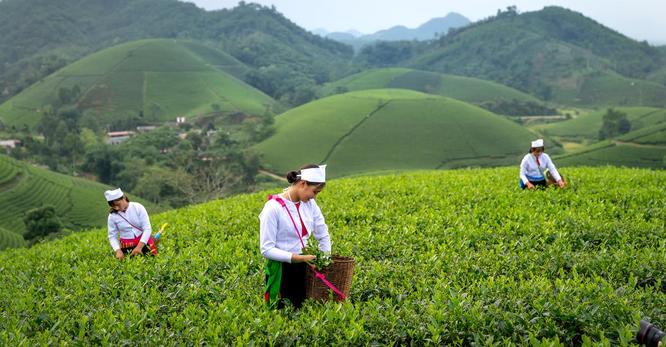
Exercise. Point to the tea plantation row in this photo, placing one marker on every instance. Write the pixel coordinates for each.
(452, 257)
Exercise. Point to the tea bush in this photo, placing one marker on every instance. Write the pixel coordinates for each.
(450, 257)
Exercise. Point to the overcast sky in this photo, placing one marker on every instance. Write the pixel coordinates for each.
(638, 19)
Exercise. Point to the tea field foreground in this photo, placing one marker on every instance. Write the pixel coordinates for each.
(456, 257)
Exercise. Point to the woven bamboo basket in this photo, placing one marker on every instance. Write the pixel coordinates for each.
(339, 274)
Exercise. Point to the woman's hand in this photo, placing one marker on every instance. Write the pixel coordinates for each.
(561, 183)
(530, 185)
(138, 249)
(302, 258)
(119, 254)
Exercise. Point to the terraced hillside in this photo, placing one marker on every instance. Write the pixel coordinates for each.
(467, 89)
(640, 148)
(391, 129)
(446, 258)
(157, 79)
(78, 202)
(10, 239)
(586, 126)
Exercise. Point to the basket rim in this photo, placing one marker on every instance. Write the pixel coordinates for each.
(341, 258)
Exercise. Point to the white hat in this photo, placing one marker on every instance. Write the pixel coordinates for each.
(113, 194)
(314, 175)
(537, 143)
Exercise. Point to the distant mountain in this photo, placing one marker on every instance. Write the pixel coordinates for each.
(355, 33)
(342, 37)
(40, 36)
(555, 54)
(320, 31)
(343, 34)
(427, 31)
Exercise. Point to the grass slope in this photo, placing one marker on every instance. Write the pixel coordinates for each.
(459, 257)
(604, 88)
(640, 148)
(467, 89)
(653, 135)
(161, 78)
(586, 126)
(391, 129)
(78, 202)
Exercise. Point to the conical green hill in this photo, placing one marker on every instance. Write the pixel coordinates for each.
(158, 79)
(391, 129)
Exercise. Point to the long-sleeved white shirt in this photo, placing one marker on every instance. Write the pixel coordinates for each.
(529, 171)
(135, 214)
(278, 238)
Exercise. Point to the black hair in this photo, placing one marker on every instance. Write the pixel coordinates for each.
(533, 148)
(112, 210)
(293, 176)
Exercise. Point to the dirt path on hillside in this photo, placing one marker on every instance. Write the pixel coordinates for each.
(272, 175)
(343, 137)
(640, 145)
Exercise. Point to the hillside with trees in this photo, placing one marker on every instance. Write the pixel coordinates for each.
(152, 81)
(555, 54)
(41, 36)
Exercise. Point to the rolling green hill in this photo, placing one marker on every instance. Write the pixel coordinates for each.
(451, 258)
(586, 126)
(79, 203)
(645, 147)
(467, 89)
(391, 129)
(651, 135)
(41, 36)
(159, 78)
(556, 54)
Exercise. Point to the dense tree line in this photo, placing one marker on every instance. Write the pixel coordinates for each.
(174, 165)
(518, 108)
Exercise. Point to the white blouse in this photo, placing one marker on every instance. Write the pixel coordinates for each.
(137, 215)
(278, 238)
(530, 171)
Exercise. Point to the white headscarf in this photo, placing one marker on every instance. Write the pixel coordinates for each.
(111, 195)
(314, 175)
